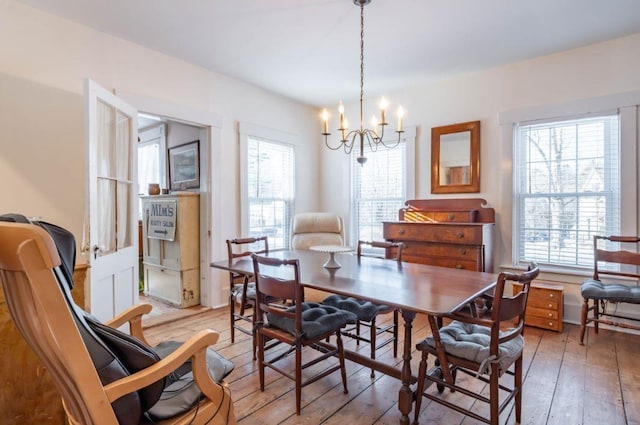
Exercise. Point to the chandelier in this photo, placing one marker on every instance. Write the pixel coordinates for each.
(374, 138)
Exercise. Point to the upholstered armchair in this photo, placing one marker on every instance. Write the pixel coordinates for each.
(316, 228)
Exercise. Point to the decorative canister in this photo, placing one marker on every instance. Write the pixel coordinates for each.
(154, 189)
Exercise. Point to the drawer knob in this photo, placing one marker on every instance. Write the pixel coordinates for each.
(460, 235)
(401, 232)
(550, 295)
(550, 314)
(458, 266)
(550, 323)
(550, 305)
(451, 216)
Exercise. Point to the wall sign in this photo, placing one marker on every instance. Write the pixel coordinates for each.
(162, 219)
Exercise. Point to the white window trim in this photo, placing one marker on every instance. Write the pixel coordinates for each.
(627, 106)
(246, 130)
(408, 137)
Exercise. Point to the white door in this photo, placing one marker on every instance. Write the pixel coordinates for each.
(111, 134)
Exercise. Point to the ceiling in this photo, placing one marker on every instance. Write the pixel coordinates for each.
(309, 49)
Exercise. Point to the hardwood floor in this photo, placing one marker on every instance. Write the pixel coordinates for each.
(565, 383)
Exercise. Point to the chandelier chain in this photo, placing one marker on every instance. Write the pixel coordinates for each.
(361, 63)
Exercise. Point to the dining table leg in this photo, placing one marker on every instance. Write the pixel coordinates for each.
(406, 396)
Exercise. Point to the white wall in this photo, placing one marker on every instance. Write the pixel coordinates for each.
(601, 69)
(54, 56)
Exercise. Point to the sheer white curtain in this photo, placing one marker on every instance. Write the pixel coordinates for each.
(114, 179)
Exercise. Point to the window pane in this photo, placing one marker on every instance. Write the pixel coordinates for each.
(270, 178)
(567, 189)
(378, 191)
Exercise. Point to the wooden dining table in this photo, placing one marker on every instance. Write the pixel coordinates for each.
(412, 288)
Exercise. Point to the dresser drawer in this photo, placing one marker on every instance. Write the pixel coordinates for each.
(456, 234)
(535, 302)
(462, 216)
(443, 262)
(540, 322)
(542, 312)
(462, 252)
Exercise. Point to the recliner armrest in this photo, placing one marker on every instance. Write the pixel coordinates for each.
(195, 347)
(133, 316)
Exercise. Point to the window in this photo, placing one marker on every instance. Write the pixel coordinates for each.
(567, 185)
(151, 160)
(379, 188)
(270, 190)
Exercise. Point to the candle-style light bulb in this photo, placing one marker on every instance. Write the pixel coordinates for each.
(341, 112)
(383, 110)
(400, 118)
(374, 121)
(325, 119)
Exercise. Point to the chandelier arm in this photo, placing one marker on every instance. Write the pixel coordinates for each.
(348, 144)
(394, 144)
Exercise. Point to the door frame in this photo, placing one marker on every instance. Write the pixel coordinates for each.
(210, 189)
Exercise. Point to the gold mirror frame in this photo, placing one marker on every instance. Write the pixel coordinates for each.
(463, 176)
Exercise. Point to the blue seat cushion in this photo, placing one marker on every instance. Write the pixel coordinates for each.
(317, 320)
(364, 310)
(471, 342)
(615, 292)
(237, 292)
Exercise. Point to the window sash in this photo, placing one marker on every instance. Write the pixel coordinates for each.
(567, 189)
(270, 190)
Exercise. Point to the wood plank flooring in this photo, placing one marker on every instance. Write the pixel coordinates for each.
(565, 383)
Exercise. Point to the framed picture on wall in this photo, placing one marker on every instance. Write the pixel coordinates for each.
(184, 166)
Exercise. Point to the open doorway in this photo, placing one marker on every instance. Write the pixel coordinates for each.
(168, 222)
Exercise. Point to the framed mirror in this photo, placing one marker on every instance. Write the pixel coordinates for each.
(455, 158)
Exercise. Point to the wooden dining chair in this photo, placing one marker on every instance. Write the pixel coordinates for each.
(611, 286)
(242, 291)
(301, 325)
(480, 348)
(366, 311)
(105, 377)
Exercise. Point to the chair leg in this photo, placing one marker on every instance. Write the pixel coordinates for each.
(358, 332)
(343, 369)
(372, 339)
(494, 401)
(422, 373)
(232, 312)
(395, 333)
(254, 334)
(517, 383)
(596, 315)
(298, 377)
(261, 343)
(583, 321)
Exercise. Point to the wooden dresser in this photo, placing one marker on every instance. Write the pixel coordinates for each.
(456, 233)
(544, 306)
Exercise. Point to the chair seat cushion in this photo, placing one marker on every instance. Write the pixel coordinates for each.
(181, 392)
(317, 320)
(364, 310)
(237, 292)
(615, 292)
(471, 342)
